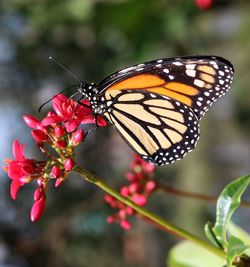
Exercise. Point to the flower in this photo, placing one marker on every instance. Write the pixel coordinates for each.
(71, 113)
(141, 186)
(204, 4)
(21, 169)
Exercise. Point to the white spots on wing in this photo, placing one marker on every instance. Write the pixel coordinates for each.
(190, 66)
(190, 72)
(166, 70)
(177, 63)
(127, 69)
(199, 83)
(171, 77)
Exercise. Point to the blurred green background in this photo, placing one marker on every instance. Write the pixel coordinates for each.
(94, 38)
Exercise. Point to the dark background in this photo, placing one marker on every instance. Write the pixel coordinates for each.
(94, 38)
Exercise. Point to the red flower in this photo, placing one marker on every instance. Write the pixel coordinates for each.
(70, 113)
(204, 4)
(20, 169)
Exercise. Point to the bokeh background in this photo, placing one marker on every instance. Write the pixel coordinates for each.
(94, 38)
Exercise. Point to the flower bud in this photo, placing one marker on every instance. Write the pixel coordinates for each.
(39, 136)
(111, 219)
(38, 209)
(122, 214)
(150, 186)
(133, 188)
(139, 199)
(59, 131)
(101, 121)
(124, 191)
(69, 164)
(39, 193)
(61, 144)
(56, 171)
(77, 137)
(126, 225)
(31, 121)
(58, 182)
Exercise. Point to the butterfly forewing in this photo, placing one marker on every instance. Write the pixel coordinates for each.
(194, 81)
(161, 130)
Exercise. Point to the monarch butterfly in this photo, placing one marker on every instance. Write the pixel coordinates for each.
(156, 106)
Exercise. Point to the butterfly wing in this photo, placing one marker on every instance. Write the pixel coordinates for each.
(158, 128)
(193, 81)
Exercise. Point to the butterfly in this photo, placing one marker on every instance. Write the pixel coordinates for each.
(156, 106)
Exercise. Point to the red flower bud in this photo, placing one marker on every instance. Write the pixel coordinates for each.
(111, 219)
(150, 186)
(32, 122)
(39, 136)
(69, 164)
(58, 182)
(77, 137)
(37, 209)
(101, 121)
(124, 191)
(122, 214)
(126, 225)
(139, 199)
(39, 193)
(129, 211)
(56, 171)
(133, 188)
(61, 144)
(59, 131)
(108, 198)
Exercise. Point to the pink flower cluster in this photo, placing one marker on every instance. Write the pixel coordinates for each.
(59, 130)
(141, 186)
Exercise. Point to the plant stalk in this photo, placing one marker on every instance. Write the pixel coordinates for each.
(162, 223)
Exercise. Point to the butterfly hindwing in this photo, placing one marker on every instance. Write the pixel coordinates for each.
(158, 128)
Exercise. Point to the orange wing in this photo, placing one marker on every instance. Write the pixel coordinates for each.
(195, 83)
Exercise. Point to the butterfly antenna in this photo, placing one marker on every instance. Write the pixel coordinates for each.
(40, 108)
(67, 70)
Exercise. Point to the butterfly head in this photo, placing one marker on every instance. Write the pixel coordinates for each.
(90, 92)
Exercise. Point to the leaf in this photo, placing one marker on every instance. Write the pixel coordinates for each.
(188, 254)
(236, 247)
(235, 230)
(210, 235)
(228, 202)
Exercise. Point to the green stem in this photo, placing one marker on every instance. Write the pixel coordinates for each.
(149, 215)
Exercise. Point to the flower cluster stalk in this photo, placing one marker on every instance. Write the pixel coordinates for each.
(169, 227)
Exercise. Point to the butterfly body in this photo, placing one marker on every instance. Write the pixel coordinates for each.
(156, 106)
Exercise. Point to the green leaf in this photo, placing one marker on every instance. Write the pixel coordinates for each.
(188, 254)
(236, 248)
(211, 236)
(235, 230)
(227, 203)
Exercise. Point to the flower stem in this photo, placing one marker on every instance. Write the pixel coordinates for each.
(149, 215)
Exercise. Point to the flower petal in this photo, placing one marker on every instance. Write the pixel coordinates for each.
(18, 150)
(14, 188)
